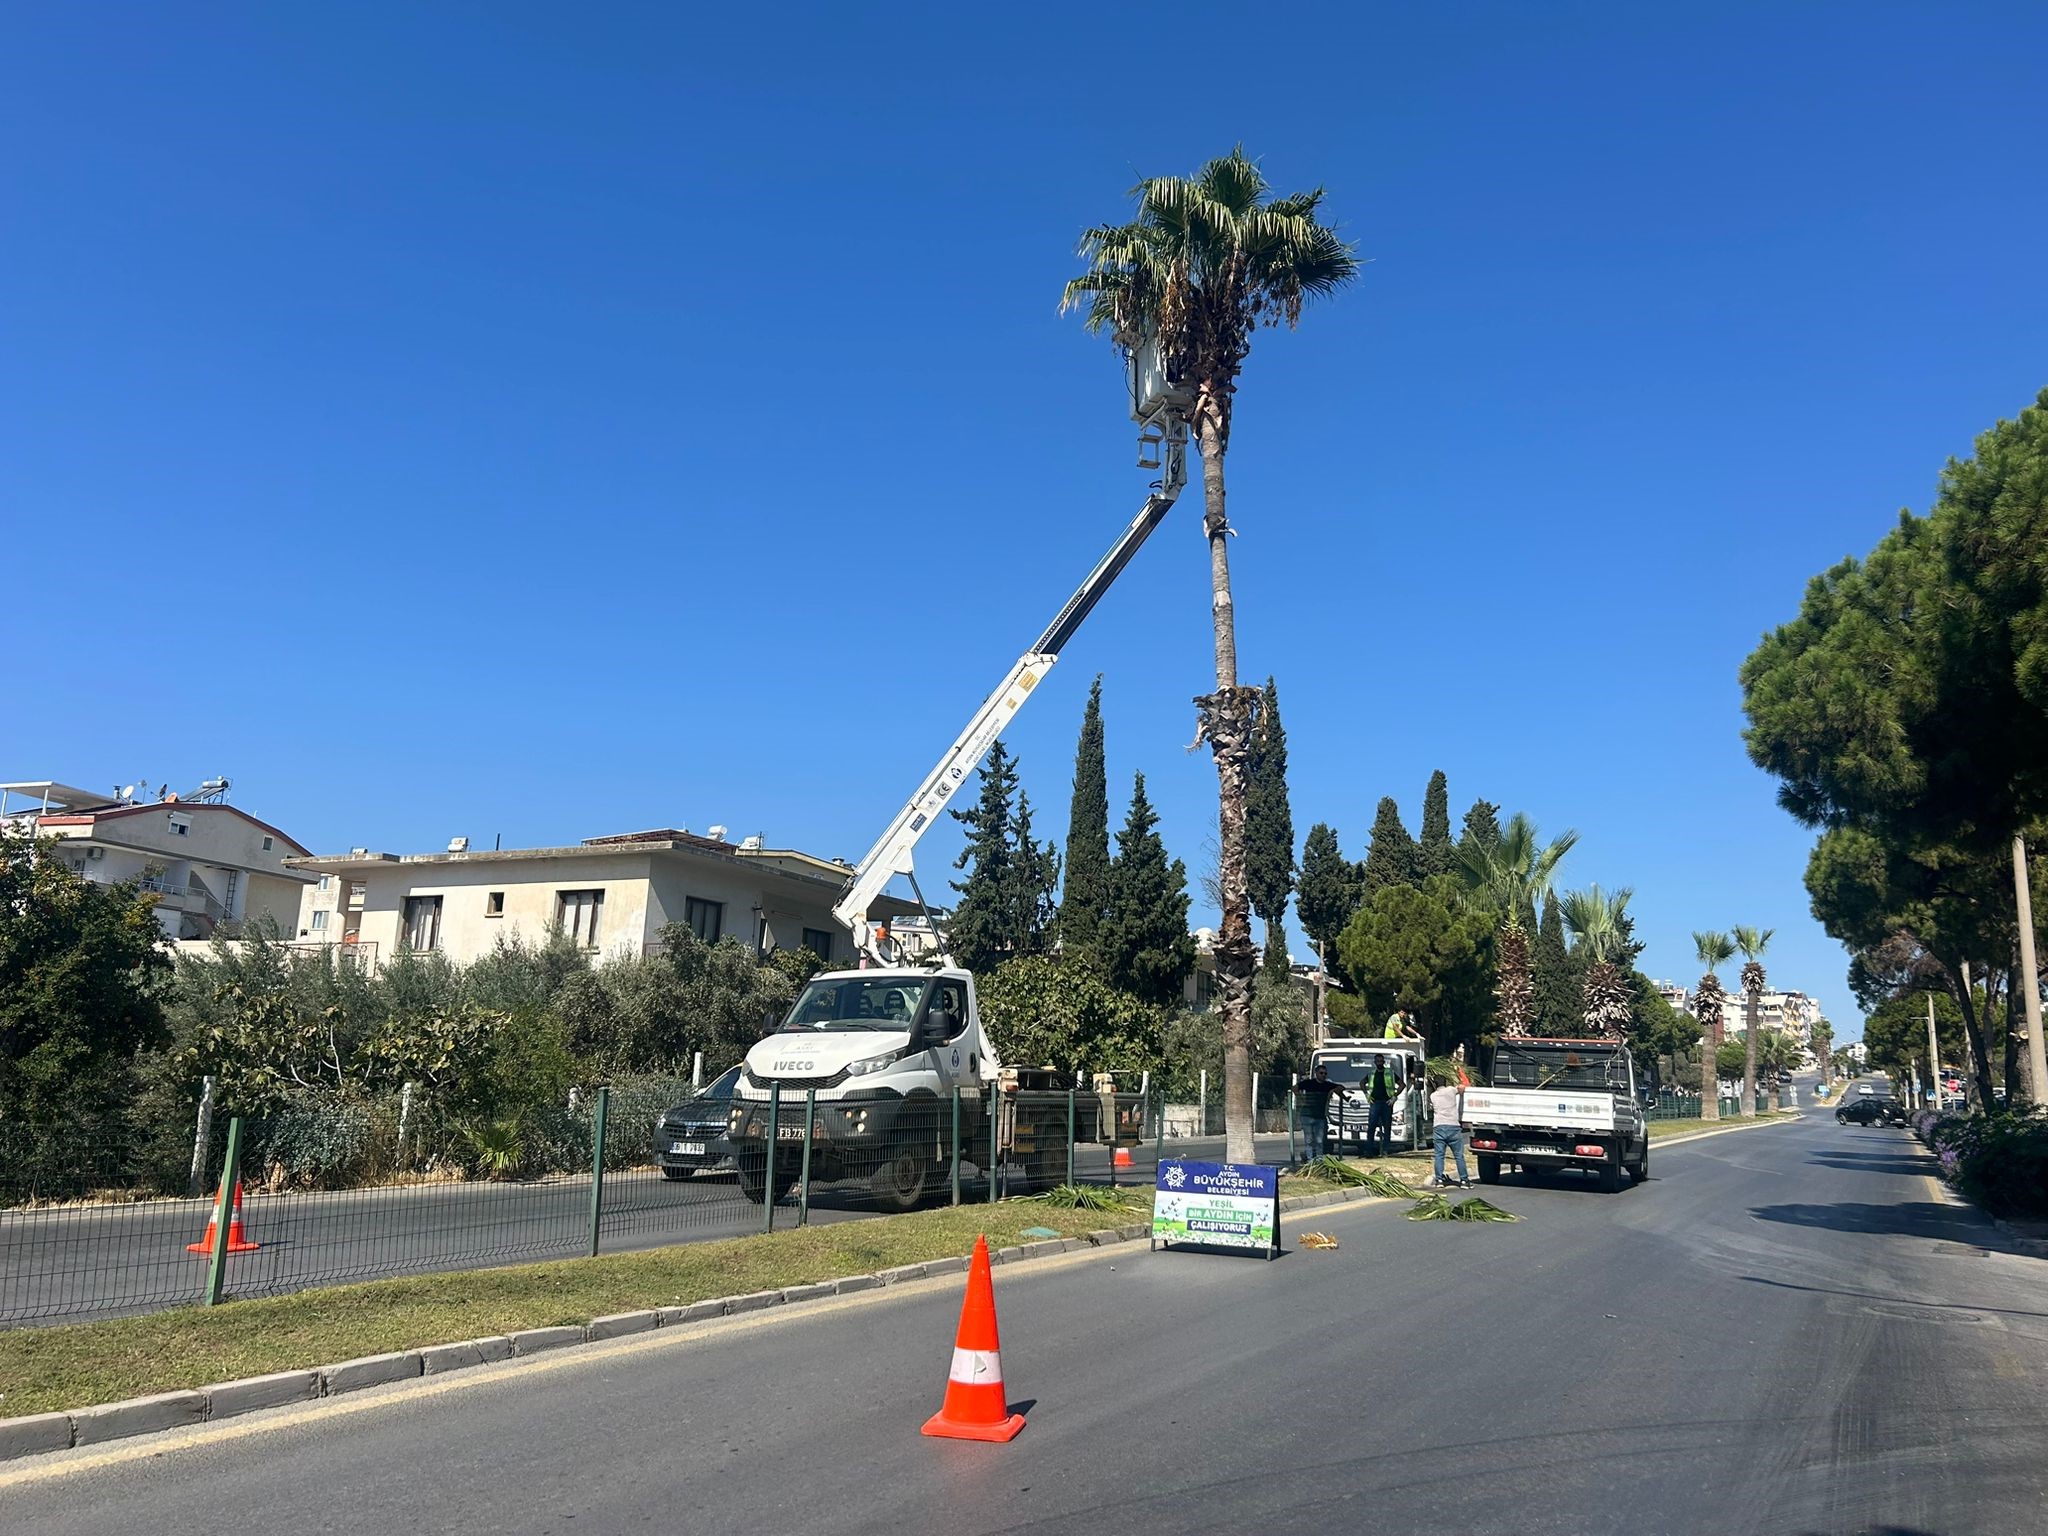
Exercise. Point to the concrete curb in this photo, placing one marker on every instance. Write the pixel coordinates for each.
(42, 1433)
(1788, 1118)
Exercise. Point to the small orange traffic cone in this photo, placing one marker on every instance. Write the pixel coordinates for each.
(1123, 1157)
(975, 1406)
(238, 1240)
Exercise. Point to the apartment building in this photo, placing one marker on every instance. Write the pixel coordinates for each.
(210, 866)
(612, 895)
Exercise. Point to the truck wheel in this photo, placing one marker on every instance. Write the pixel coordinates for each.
(754, 1180)
(1489, 1170)
(1610, 1178)
(901, 1180)
(1641, 1172)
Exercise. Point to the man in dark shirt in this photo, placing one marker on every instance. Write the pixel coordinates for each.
(1312, 1095)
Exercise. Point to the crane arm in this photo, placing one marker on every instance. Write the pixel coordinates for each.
(891, 854)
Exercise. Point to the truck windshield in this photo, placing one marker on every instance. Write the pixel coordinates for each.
(1351, 1069)
(1558, 1066)
(858, 1002)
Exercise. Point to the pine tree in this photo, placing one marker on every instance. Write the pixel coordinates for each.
(1035, 875)
(1557, 985)
(1269, 827)
(1145, 944)
(1086, 895)
(1329, 888)
(1392, 857)
(1436, 854)
(1482, 827)
(984, 918)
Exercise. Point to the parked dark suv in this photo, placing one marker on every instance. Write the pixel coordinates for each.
(692, 1135)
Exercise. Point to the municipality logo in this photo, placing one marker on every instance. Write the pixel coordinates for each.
(1176, 1176)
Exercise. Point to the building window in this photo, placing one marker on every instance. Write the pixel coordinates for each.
(319, 922)
(706, 918)
(325, 882)
(180, 828)
(266, 845)
(494, 904)
(423, 922)
(819, 942)
(576, 914)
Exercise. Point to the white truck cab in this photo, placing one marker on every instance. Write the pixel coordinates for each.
(1351, 1064)
(883, 1050)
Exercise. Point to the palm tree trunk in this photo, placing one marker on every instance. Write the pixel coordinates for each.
(1752, 1009)
(1227, 718)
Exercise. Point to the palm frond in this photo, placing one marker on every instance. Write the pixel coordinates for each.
(1713, 949)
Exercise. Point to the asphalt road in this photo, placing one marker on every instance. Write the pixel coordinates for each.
(1786, 1330)
(78, 1263)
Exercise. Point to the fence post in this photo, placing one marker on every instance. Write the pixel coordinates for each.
(204, 1134)
(995, 1150)
(1255, 1113)
(404, 1121)
(604, 1099)
(956, 1143)
(1290, 1127)
(768, 1167)
(803, 1193)
(1159, 1145)
(224, 1213)
(697, 1070)
(1070, 1179)
(1203, 1101)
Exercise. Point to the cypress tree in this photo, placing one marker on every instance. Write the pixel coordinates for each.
(1085, 897)
(1269, 827)
(1392, 858)
(1035, 875)
(1329, 888)
(1436, 854)
(1557, 981)
(1482, 826)
(984, 918)
(1145, 944)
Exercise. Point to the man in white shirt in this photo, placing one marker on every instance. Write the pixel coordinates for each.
(1447, 1108)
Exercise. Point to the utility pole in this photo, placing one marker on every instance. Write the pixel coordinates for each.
(2030, 976)
(1933, 1050)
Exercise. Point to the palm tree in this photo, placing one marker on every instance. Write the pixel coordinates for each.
(1752, 942)
(1594, 919)
(1205, 262)
(1709, 1000)
(1510, 878)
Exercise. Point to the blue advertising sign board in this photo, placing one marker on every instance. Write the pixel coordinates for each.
(1219, 1205)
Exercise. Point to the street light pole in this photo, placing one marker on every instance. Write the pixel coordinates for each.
(1933, 1050)
(2030, 976)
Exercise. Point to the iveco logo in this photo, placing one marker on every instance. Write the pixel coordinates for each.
(790, 1066)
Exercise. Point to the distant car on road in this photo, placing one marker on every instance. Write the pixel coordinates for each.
(692, 1135)
(1872, 1111)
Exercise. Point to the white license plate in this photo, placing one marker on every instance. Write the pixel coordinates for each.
(689, 1148)
(1538, 1151)
(789, 1133)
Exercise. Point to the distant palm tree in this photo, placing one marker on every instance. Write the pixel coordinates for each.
(1510, 878)
(1595, 921)
(1752, 942)
(1709, 1003)
(1207, 260)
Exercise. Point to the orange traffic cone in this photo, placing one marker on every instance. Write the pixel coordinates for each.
(1123, 1157)
(238, 1240)
(975, 1406)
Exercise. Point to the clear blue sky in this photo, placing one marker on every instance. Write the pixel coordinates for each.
(545, 421)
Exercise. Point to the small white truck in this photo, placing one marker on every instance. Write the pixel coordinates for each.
(1560, 1104)
(1351, 1066)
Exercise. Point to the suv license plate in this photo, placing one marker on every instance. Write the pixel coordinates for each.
(688, 1148)
(789, 1133)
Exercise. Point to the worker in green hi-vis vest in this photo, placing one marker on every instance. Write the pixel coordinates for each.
(1401, 1025)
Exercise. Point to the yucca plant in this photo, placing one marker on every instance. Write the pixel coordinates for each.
(1594, 919)
(1205, 262)
(497, 1148)
(1708, 1005)
(1082, 1197)
(1752, 942)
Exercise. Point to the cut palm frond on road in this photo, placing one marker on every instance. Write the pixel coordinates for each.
(1334, 1170)
(1437, 1208)
(1315, 1240)
(1082, 1197)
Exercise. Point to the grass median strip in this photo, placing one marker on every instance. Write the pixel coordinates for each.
(1662, 1128)
(76, 1366)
